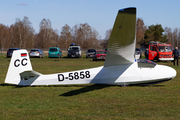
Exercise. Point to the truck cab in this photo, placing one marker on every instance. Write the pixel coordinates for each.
(160, 51)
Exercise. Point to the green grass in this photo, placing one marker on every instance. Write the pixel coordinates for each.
(79, 102)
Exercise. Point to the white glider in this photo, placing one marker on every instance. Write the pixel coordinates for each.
(120, 67)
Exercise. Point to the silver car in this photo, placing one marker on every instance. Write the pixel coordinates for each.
(36, 53)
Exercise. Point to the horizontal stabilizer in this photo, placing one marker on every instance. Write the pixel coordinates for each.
(28, 74)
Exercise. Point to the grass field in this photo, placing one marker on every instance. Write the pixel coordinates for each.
(100, 102)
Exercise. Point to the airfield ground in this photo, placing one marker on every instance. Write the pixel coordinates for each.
(102, 102)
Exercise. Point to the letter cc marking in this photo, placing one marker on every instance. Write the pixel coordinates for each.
(22, 62)
(17, 62)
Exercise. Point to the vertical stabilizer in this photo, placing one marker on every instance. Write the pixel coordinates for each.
(19, 63)
(121, 45)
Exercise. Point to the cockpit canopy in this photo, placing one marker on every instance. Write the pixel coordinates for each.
(143, 63)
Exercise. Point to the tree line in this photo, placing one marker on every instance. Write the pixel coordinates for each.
(21, 34)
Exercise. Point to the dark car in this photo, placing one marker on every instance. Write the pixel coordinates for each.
(10, 51)
(138, 51)
(90, 53)
(36, 53)
(99, 55)
(74, 52)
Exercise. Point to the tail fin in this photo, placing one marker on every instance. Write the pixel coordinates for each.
(20, 62)
(121, 45)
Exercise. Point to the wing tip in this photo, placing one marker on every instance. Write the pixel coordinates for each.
(130, 10)
(127, 8)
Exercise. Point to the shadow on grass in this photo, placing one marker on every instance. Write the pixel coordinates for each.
(16, 86)
(152, 85)
(156, 85)
(85, 89)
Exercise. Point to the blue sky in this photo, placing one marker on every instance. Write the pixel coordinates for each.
(99, 14)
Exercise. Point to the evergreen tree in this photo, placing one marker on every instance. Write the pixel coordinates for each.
(155, 33)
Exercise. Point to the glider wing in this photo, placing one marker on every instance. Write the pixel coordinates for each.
(121, 45)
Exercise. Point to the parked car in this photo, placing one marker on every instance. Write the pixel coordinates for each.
(36, 53)
(10, 51)
(74, 51)
(55, 52)
(99, 55)
(137, 55)
(138, 51)
(90, 53)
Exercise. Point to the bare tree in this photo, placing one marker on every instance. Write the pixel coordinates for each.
(104, 44)
(55, 38)
(21, 33)
(168, 33)
(28, 33)
(66, 36)
(44, 36)
(85, 36)
(175, 37)
(94, 39)
(18, 32)
(4, 36)
(77, 34)
(140, 30)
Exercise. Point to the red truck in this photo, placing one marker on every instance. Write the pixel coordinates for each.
(160, 51)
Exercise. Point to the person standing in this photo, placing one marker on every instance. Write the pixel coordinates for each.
(176, 55)
(146, 54)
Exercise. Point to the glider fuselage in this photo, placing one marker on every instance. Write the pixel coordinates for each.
(114, 75)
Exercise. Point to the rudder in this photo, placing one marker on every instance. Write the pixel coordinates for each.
(19, 63)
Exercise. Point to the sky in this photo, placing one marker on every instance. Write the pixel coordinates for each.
(99, 14)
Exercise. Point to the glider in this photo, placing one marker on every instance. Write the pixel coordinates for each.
(120, 67)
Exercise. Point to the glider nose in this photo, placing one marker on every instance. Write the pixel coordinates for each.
(173, 72)
(167, 72)
(170, 72)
